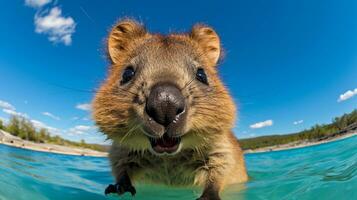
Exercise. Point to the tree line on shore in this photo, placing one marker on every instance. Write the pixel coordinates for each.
(25, 129)
(318, 132)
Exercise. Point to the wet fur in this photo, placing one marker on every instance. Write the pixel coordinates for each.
(210, 155)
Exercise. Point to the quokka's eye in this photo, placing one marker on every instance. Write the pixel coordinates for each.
(128, 74)
(201, 76)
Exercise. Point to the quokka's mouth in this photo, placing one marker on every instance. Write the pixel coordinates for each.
(165, 144)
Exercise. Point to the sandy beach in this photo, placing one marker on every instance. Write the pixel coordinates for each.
(298, 144)
(10, 140)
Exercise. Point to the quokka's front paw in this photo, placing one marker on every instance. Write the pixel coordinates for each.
(209, 198)
(120, 189)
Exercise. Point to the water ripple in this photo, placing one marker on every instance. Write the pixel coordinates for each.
(327, 171)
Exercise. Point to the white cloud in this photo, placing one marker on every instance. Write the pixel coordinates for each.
(84, 106)
(85, 119)
(58, 28)
(79, 129)
(83, 127)
(3, 119)
(51, 115)
(36, 3)
(38, 124)
(298, 122)
(262, 124)
(13, 112)
(74, 118)
(6, 105)
(347, 95)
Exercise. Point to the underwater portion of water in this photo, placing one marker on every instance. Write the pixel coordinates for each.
(327, 171)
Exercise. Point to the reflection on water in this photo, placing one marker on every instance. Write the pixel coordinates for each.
(327, 171)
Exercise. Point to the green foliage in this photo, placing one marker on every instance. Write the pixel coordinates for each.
(339, 125)
(2, 127)
(14, 126)
(24, 129)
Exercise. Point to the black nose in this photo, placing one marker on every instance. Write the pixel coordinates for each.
(165, 102)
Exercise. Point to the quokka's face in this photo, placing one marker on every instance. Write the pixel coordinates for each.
(162, 93)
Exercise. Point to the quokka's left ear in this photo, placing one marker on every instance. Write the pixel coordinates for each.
(208, 40)
(122, 36)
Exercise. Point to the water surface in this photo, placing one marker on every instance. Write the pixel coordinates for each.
(327, 171)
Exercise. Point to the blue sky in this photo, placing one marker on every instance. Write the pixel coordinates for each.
(286, 61)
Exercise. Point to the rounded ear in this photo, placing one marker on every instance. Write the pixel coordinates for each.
(121, 36)
(208, 40)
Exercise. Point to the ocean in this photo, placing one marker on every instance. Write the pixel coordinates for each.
(326, 171)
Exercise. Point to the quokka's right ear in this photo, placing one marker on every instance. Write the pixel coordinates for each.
(208, 40)
(121, 37)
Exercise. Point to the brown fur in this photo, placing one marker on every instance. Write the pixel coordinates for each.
(210, 154)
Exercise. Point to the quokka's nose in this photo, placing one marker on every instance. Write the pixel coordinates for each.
(165, 103)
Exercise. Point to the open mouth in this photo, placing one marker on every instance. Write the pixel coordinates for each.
(165, 144)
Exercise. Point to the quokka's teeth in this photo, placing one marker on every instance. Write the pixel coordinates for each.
(152, 139)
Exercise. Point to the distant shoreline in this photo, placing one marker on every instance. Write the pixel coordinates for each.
(10, 140)
(13, 141)
(298, 144)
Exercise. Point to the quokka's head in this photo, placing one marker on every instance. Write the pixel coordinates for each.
(162, 92)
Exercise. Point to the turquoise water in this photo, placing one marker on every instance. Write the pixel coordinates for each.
(327, 171)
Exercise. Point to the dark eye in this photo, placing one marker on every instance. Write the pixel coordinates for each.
(201, 76)
(128, 74)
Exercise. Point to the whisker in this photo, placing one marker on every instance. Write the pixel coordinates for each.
(86, 14)
(89, 91)
(188, 83)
